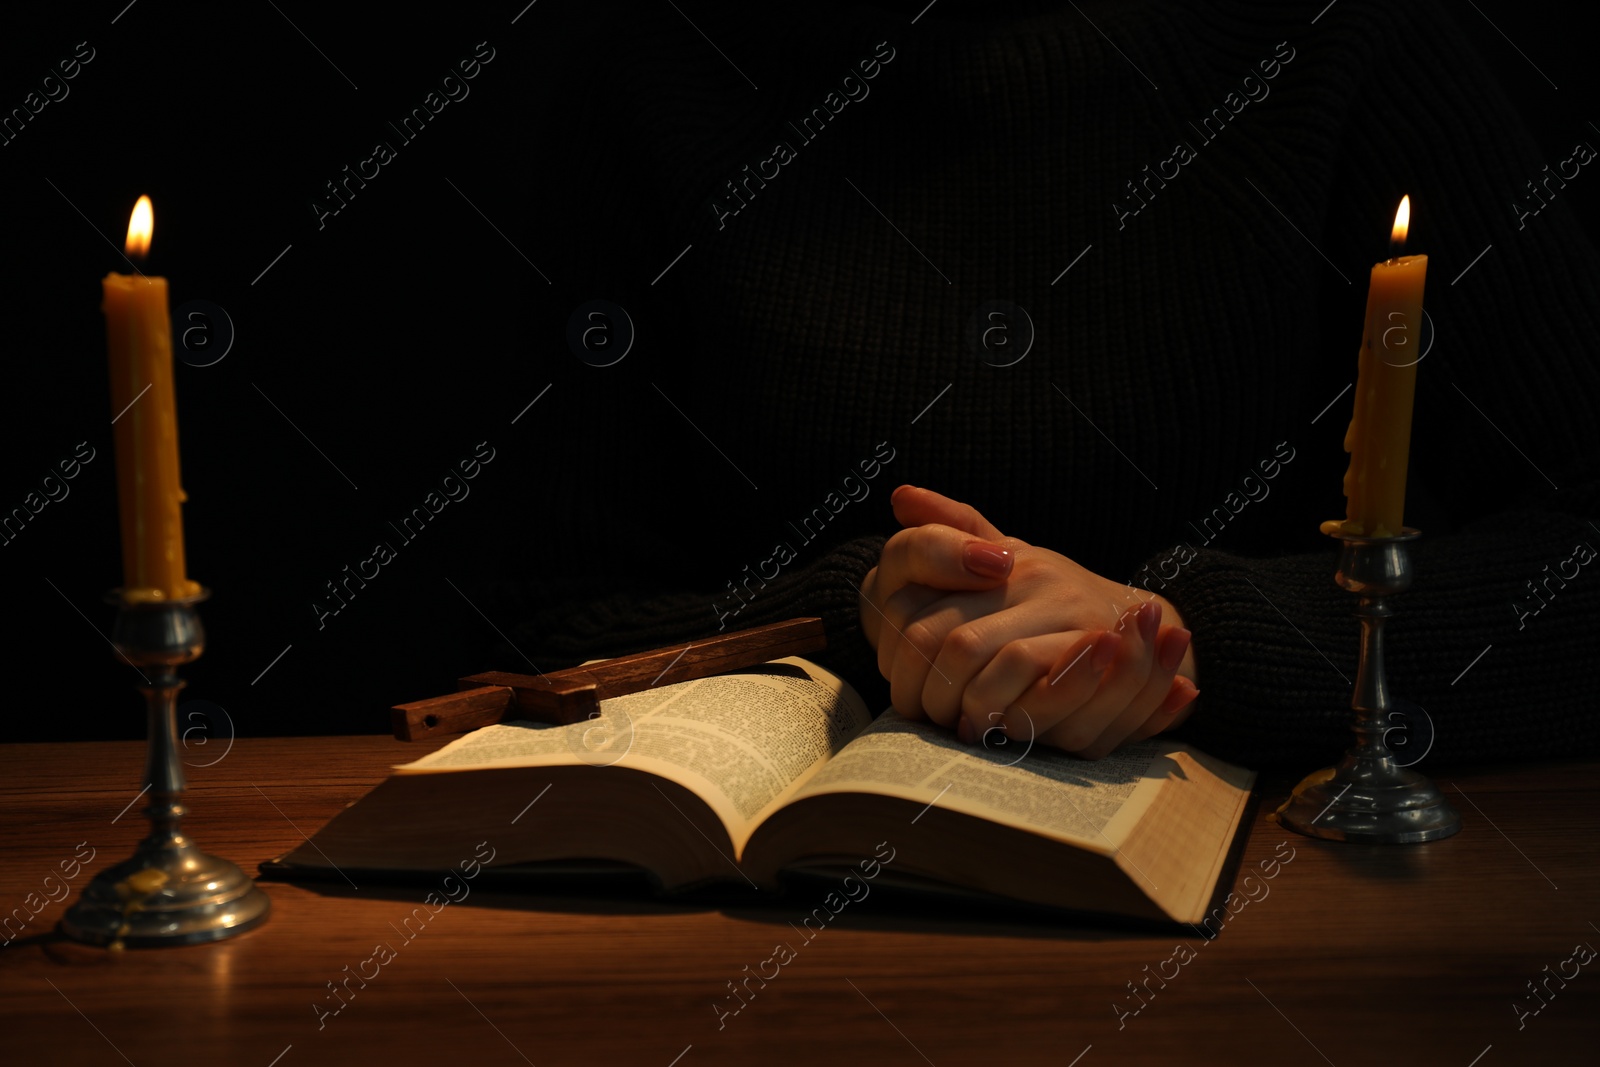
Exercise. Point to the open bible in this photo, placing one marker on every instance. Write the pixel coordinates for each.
(748, 775)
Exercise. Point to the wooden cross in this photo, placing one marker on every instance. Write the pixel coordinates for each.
(574, 694)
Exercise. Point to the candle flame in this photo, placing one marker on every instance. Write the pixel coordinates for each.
(140, 226)
(1402, 223)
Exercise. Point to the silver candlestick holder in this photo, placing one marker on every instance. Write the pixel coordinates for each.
(1367, 796)
(169, 892)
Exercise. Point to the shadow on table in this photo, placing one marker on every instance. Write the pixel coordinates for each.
(605, 889)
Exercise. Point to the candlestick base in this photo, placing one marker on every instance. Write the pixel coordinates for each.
(1367, 796)
(1370, 800)
(169, 892)
(166, 897)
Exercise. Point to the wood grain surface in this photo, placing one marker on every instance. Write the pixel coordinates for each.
(1349, 955)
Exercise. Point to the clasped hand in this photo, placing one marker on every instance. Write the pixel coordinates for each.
(984, 633)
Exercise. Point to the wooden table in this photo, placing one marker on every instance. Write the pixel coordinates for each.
(1356, 955)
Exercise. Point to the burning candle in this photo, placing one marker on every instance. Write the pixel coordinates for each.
(1379, 437)
(139, 344)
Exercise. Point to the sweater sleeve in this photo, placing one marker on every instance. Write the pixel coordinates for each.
(1493, 638)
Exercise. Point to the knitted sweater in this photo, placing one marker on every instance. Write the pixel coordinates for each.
(1184, 199)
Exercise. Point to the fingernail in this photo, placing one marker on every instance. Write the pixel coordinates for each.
(964, 730)
(1105, 650)
(1182, 695)
(1149, 620)
(1173, 645)
(896, 494)
(986, 560)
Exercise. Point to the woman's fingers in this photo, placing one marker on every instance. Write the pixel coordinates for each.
(985, 701)
(1031, 703)
(941, 557)
(936, 556)
(1123, 682)
(1180, 697)
(914, 506)
(1173, 709)
(944, 645)
(892, 618)
(994, 634)
(938, 549)
(962, 661)
(985, 654)
(911, 668)
(1170, 644)
(871, 616)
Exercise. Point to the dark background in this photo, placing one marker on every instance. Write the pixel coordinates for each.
(406, 330)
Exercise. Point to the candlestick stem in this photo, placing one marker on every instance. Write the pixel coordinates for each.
(169, 892)
(1367, 796)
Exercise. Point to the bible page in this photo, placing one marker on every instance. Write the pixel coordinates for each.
(741, 741)
(1091, 804)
